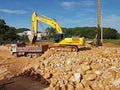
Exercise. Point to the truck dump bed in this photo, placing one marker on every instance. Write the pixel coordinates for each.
(40, 48)
(33, 50)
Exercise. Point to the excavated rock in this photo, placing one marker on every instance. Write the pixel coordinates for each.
(95, 69)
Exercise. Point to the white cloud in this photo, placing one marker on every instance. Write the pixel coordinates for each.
(73, 3)
(112, 21)
(13, 11)
(68, 4)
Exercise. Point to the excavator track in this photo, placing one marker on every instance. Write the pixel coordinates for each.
(66, 48)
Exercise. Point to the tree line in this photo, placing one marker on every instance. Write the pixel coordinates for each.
(9, 34)
(87, 32)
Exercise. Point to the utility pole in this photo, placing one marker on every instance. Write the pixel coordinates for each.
(98, 43)
(101, 30)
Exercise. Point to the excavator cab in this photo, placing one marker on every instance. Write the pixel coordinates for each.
(59, 38)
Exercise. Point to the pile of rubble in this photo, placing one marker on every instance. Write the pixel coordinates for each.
(88, 69)
(95, 69)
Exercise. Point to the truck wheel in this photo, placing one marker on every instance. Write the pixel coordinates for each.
(15, 54)
(39, 54)
(34, 55)
(29, 55)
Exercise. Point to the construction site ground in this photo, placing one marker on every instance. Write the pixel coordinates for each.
(10, 69)
(88, 69)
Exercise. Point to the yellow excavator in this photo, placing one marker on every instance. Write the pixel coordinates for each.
(66, 44)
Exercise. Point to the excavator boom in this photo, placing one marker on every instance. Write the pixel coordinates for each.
(65, 44)
(44, 19)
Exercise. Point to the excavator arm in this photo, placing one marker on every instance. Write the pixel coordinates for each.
(61, 43)
(46, 20)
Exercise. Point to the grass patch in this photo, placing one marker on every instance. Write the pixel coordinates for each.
(114, 41)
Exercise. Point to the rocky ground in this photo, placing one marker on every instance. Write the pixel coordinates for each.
(89, 69)
(95, 69)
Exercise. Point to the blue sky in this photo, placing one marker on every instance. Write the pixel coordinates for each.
(68, 13)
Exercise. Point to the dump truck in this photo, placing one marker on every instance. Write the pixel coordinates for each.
(23, 49)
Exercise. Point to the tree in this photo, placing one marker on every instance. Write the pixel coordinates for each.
(110, 33)
(87, 32)
(52, 32)
(3, 26)
(118, 35)
(2, 22)
(7, 33)
(19, 30)
(11, 35)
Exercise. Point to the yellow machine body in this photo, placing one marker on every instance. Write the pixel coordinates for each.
(74, 41)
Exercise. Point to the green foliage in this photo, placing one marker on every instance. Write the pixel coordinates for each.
(87, 32)
(23, 38)
(118, 36)
(9, 34)
(109, 33)
(3, 26)
(19, 30)
(2, 22)
(52, 33)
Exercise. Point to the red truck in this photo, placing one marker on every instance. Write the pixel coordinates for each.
(27, 50)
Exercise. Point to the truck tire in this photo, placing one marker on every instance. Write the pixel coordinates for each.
(34, 55)
(29, 55)
(15, 54)
(39, 54)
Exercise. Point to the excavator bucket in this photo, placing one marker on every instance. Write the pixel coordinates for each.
(32, 38)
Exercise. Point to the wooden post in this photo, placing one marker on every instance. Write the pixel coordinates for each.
(98, 41)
